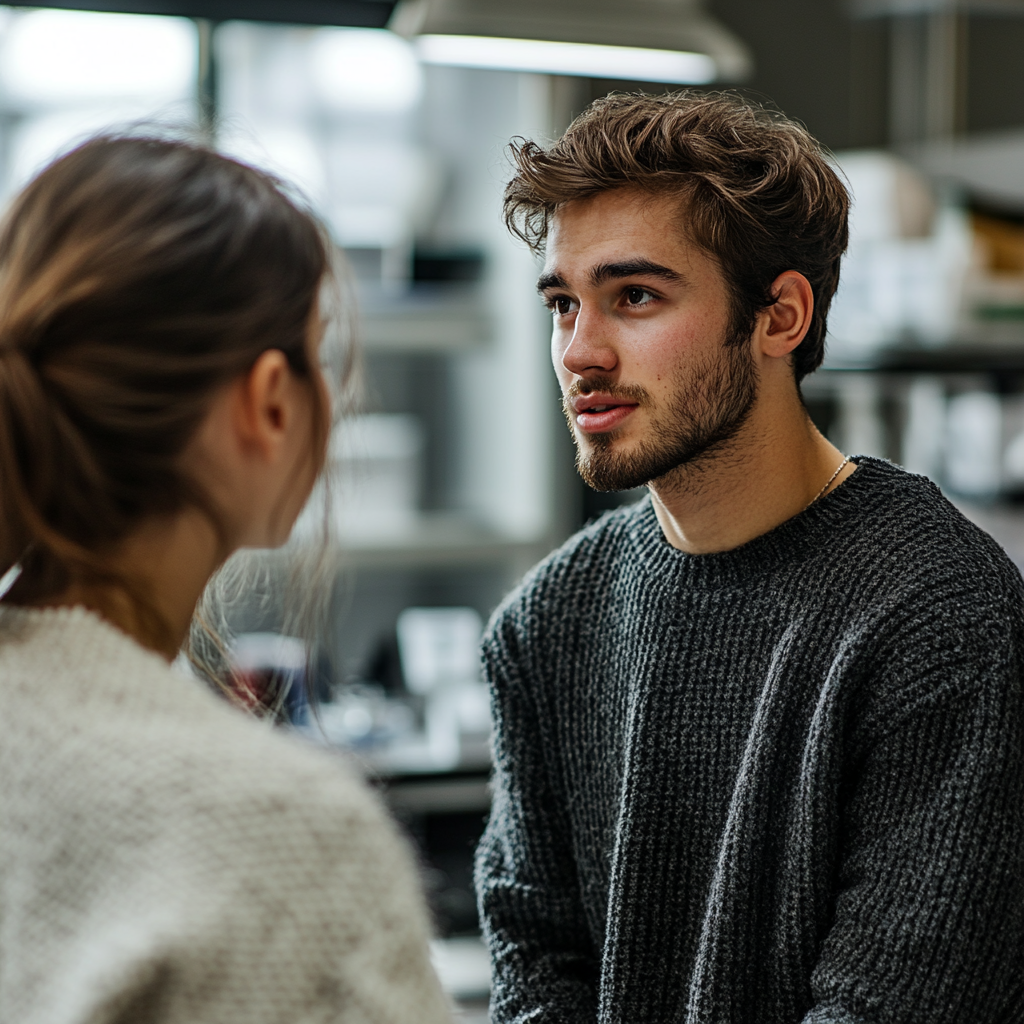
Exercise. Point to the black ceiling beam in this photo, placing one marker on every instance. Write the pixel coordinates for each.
(353, 13)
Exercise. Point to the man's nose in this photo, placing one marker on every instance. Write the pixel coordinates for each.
(590, 348)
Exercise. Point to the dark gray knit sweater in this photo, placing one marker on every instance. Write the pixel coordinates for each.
(784, 783)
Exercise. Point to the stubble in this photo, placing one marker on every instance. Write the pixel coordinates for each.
(710, 403)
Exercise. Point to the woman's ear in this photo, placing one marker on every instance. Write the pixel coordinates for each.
(263, 404)
(785, 323)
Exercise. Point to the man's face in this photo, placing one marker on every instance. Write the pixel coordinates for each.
(651, 377)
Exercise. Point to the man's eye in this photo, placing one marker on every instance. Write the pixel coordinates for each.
(561, 305)
(638, 296)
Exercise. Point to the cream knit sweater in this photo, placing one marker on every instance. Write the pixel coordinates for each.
(164, 860)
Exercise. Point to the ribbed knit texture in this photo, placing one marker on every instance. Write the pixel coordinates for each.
(165, 860)
(783, 783)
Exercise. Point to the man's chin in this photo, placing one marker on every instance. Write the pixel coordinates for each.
(606, 469)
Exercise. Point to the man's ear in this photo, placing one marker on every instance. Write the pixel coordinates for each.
(262, 410)
(785, 323)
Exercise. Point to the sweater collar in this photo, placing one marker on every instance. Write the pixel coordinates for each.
(796, 539)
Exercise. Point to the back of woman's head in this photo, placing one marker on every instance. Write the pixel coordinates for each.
(137, 277)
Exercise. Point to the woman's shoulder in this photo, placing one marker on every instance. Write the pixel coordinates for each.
(258, 868)
(98, 722)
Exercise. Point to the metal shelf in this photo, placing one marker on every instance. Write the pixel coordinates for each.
(423, 319)
(440, 539)
(891, 8)
(450, 792)
(953, 358)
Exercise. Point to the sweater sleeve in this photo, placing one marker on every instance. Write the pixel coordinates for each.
(929, 916)
(544, 967)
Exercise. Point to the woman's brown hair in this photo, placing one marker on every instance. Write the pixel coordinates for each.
(756, 190)
(137, 276)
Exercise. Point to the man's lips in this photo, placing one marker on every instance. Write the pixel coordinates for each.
(597, 413)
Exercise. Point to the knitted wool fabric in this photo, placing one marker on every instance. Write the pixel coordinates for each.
(165, 860)
(782, 783)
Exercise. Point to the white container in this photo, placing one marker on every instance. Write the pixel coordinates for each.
(907, 263)
(974, 444)
(439, 647)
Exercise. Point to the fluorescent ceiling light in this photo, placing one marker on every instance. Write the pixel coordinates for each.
(672, 41)
(366, 70)
(546, 57)
(74, 57)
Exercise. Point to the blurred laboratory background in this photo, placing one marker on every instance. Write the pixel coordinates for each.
(455, 473)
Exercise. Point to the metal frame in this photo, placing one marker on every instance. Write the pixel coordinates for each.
(928, 61)
(890, 8)
(354, 13)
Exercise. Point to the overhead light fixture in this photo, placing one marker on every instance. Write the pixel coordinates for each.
(670, 41)
(72, 58)
(632, 63)
(365, 70)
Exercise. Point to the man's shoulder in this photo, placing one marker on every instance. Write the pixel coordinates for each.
(908, 527)
(559, 581)
(927, 607)
(916, 585)
(601, 541)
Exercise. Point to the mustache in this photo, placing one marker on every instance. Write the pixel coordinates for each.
(627, 392)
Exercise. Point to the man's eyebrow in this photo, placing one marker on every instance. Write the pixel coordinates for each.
(632, 268)
(550, 280)
(613, 271)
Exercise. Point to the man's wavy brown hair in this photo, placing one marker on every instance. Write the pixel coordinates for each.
(756, 191)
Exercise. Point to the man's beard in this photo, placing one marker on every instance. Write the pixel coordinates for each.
(710, 404)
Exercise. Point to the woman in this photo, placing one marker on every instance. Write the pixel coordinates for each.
(162, 857)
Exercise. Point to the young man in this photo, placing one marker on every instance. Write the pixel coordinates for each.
(759, 738)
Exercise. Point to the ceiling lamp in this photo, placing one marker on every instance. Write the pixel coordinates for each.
(644, 40)
(365, 70)
(73, 58)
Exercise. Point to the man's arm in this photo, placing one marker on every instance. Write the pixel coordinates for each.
(544, 966)
(929, 917)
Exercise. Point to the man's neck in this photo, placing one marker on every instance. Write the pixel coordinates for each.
(772, 470)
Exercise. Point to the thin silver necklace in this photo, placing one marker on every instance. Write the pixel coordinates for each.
(828, 484)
